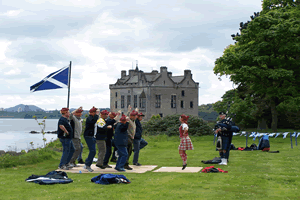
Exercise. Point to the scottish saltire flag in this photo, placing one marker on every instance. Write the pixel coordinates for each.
(55, 80)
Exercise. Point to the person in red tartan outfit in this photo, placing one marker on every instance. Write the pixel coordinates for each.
(185, 141)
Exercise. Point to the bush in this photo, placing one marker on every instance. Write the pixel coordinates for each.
(32, 157)
(169, 126)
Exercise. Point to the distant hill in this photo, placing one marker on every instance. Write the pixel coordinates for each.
(206, 112)
(30, 107)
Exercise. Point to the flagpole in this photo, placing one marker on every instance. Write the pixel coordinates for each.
(69, 83)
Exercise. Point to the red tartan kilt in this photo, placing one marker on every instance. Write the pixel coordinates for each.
(185, 144)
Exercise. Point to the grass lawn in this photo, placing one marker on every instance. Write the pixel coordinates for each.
(251, 175)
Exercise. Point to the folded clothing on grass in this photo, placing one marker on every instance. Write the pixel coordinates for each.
(53, 177)
(212, 169)
(106, 179)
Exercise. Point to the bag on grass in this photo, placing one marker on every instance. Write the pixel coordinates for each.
(264, 143)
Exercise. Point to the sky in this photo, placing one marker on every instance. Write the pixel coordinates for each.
(101, 38)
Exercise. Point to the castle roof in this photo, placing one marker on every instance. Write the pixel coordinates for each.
(177, 79)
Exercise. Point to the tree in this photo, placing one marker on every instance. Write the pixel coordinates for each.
(265, 57)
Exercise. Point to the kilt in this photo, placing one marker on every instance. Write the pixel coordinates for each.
(185, 144)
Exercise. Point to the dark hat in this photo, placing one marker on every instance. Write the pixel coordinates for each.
(133, 113)
(222, 113)
(64, 110)
(113, 113)
(79, 110)
(184, 117)
(93, 109)
(104, 112)
(123, 118)
(141, 114)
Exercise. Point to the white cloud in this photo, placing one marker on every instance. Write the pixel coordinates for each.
(105, 38)
(12, 13)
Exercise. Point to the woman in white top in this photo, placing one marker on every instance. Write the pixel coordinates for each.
(185, 141)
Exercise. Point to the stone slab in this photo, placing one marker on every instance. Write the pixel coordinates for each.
(179, 169)
(136, 169)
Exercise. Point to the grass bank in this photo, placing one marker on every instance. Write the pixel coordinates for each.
(252, 175)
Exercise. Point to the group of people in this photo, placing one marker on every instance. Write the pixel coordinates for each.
(107, 130)
(124, 133)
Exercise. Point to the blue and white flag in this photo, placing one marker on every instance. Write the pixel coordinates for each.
(285, 134)
(55, 80)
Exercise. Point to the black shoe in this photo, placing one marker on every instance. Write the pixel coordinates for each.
(184, 166)
(80, 162)
(113, 160)
(107, 166)
(127, 167)
(100, 166)
(137, 164)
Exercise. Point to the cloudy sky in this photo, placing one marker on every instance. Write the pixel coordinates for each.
(101, 38)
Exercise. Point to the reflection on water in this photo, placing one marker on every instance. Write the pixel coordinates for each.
(15, 136)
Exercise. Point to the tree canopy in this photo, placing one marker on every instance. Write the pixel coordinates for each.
(265, 56)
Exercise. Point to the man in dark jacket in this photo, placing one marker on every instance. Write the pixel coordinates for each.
(137, 139)
(89, 134)
(101, 130)
(65, 135)
(110, 133)
(121, 141)
(225, 134)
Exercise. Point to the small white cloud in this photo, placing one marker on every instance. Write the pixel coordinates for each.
(12, 13)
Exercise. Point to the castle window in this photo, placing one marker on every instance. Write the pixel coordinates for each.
(142, 102)
(135, 101)
(188, 82)
(157, 101)
(191, 104)
(182, 93)
(128, 100)
(129, 90)
(116, 94)
(122, 101)
(164, 82)
(116, 104)
(161, 115)
(173, 101)
(182, 104)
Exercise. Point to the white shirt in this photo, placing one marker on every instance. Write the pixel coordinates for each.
(184, 125)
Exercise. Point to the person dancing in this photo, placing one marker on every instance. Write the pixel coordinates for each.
(185, 141)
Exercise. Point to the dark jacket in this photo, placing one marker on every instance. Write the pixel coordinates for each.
(90, 125)
(139, 130)
(110, 132)
(73, 126)
(121, 135)
(65, 122)
(101, 132)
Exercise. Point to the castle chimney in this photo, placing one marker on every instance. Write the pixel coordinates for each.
(154, 72)
(163, 69)
(131, 71)
(170, 74)
(123, 73)
(187, 72)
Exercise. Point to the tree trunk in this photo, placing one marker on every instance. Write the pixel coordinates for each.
(262, 124)
(274, 115)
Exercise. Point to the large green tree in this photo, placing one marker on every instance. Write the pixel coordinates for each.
(265, 57)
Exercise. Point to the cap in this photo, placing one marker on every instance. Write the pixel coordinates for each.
(93, 109)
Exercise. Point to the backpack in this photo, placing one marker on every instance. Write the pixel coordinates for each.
(264, 142)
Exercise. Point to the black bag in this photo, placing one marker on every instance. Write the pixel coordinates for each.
(216, 160)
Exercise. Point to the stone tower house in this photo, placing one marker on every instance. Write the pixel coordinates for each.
(155, 93)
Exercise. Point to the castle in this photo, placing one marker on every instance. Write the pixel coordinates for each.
(155, 93)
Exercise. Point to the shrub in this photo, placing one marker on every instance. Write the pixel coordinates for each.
(169, 126)
(31, 157)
